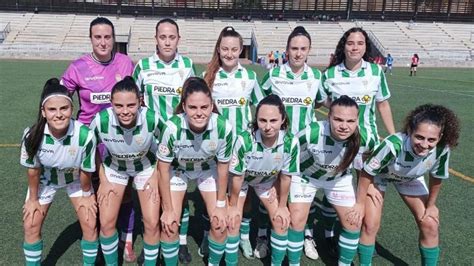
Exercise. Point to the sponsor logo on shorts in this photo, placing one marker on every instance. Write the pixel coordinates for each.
(112, 175)
(341, 196)
(303, 196)
(178, 183)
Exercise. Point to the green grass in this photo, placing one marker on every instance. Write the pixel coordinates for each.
(21, 85)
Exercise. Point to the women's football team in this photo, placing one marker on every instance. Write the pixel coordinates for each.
(157, 128)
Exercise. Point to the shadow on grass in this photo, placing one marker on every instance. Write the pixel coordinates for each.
(386, 254)
(67, 238)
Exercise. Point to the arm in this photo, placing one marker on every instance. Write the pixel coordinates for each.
(285, 181)
(32, 204)
(386, 114)
(168, 218)
(237, 181)
(222, 173)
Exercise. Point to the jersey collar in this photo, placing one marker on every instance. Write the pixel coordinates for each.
(288, 70)
(210, 125)
(280, 140)
(342, 67)
(156, 58)
(239, 68)
(114, 121)
(70, 130)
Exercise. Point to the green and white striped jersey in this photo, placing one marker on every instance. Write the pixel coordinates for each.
(395, 160)
(299, 93)
(234, 93)
(61, 159)
(161, 83)
(260, 164)
(366, 86)
(189, 151)
(321, 154)
(128, 150)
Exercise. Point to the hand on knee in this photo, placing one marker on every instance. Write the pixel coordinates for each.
(429, 227)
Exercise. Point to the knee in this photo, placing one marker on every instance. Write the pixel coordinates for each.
(218, 234)
(32, 229)
(151, 224)
(370, 226)
(298, 220)
(429, 227)
(107, 226)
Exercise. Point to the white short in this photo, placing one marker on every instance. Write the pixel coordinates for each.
(415, 187)
(121, 178)
(339, 192)
(46, 192)
(206, 180)
(262, 190)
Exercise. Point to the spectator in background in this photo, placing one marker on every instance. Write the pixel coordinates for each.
(271, 58)
(283, 57)
(276, 55)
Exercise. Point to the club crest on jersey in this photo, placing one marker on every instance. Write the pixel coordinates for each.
(118, 77)
(365, 83)
(163, 149)
(139, 140)
(212, 145)
(277, 158)
(72, 151)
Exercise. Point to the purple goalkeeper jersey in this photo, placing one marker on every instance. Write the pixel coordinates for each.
(94, 81)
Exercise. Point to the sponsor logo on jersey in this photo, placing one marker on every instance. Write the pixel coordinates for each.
(114, 140)
(284, 82)
(129, 156)
(362, 100)
(221, 84)
(254, 157)
(328, 166)
(184, 146)
(165, 90)
(316, 151)
(402, 165)
(260, 172)
(139, 140)
(70, 170)
(295, 100)
(196, 159)
(46, 150)
(156, 73)
(163, 149)
(94, 78)
(340, 83)
(100, 97)
(227, 102)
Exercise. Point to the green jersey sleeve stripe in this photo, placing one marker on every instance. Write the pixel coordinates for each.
(83, 134)
(316, 73)
(314, 133)
(252, 74)
(136, 72)
(89, 156)
(443, 166)
(276, 72)
(221, 127)
(146, 64)
(187, 62)
(331, 72)
(294, 163)
(150, 120)
(228, 144)
(375, 69)
(104, 122)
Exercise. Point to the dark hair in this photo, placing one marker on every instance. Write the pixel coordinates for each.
(416, 55)
(298, 31)
(101, 20)
(216, 62)
(190, 86)
(437, 115)
(340, 56)
(34, 137)
(273, 100)
(353, 142)
(167, 20)
(125, 85)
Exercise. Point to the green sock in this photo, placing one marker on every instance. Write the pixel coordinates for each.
(348, 241)
(232, 250)
(329, 216)
(365, 254)
(33, 253)
(109, 247)
(429, 256)
(170, 252)
(89, 251)
(279, 243)
(183, 229)
(295, 246)
(151, 253)
(245, 226)
(216, 250)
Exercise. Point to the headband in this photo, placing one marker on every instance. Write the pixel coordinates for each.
(54, 95)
